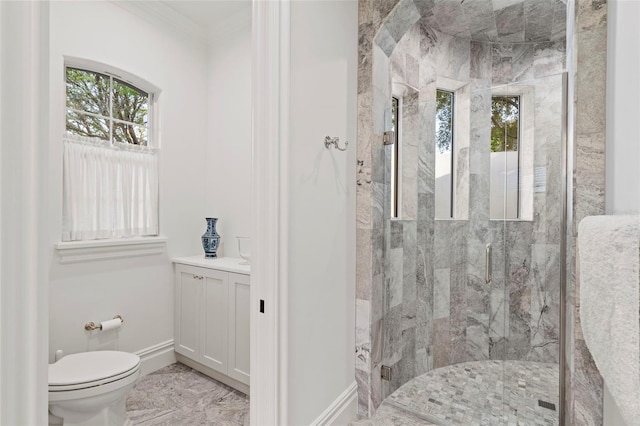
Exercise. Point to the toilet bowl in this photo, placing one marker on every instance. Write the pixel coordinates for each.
(90, 388)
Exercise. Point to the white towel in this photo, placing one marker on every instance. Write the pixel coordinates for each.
(608, 268)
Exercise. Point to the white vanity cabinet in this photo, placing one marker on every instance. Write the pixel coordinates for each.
(211, 331)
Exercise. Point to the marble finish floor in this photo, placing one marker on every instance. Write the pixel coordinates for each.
(179, 395)
(475, 393)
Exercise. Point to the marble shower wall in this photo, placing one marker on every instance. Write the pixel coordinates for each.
(437, 308)
(588, 45)
(421, 298)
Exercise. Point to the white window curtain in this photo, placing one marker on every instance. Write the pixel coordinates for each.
(110, 190)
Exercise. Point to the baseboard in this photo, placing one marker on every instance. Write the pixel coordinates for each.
(342, 411)
(223, 378)
(157, 356)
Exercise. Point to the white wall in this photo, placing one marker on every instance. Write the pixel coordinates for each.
(228, 170)
(140, 288)
(321, 206)
(623, 108)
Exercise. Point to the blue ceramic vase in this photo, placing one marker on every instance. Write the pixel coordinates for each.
(211, 239)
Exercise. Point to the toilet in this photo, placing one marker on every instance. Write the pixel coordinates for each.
(90, 388)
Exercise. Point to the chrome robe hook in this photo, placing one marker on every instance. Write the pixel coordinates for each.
(328, 141)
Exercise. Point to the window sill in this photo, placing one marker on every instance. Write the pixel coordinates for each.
(88, 251)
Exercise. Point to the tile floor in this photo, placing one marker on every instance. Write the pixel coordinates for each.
(470, 394)
(178, 395)
(474, 393)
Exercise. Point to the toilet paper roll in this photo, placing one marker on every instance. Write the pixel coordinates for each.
(111, 324)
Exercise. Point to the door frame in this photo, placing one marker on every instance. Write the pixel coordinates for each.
(270, 155)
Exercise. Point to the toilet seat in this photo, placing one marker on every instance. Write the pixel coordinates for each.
(91, 369)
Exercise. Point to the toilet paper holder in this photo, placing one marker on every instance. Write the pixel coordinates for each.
(90, 326)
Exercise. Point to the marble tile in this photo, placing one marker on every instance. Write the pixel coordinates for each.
(377, 340)
(396, 234)
(382, 9)
(365, 44)
(395, 277)
(480, 66)
(453, 60)
(424, 305)
(425, 7)
(393, 343)
(519, 312)
(177, 394)
(502, 69)
(376, 386)
(538, 19)
(378, 253)
(589, 176)
(549, 58)
(385, 40)
(559, 26)
(441, 293)
(483, 393)
(441, 342)
(412, 70)
(590, 89)
(409, 266)
(380, 65)
(377, 298)
(424, 362)
(591, 14)
(401, 18)
(482, 20)
(501, 4)
(510, 23)
(363, 264)
(378, 206)
(545, 308)
(588, 385)
(523, 62)
(584, 381)
(498, 322)
(409, 208)
(450, 19)
(397, 63)
(363, 337)
(388, 415)
(363, 381)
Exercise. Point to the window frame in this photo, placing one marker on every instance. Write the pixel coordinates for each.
(526, 152)
(461, 141)
(153, 137)
(396, 166)
(110, 248)
(454, 137)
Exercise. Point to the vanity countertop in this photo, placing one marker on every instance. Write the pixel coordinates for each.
(228, 264)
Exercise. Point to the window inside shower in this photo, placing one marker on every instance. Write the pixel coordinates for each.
(444, 157)
(395, 157)
(505, 157)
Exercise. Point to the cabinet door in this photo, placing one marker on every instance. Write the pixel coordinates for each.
(214, 332)
(239, 291)
(187, 311)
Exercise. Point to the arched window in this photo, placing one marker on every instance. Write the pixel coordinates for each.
(110, 164)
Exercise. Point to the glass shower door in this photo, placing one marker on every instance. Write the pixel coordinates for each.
(526, 214)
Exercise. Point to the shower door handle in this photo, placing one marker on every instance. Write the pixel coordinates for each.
(487, 265)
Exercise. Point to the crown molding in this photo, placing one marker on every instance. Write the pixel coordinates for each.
(159, 13)
(162, 14)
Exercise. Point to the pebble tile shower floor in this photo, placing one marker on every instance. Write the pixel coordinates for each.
(475, 394)
(177, 395)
